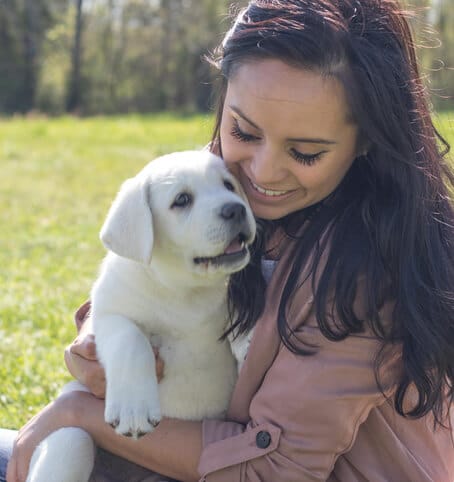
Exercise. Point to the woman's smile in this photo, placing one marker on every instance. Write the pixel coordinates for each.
(270, 193)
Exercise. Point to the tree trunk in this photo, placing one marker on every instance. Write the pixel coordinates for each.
(30, 39)
(74, 93)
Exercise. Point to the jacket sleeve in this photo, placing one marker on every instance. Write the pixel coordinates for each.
(306, 413)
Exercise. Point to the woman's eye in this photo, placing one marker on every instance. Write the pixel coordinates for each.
(229, 186)
(307, 159)
(182, 200)
(237, 133)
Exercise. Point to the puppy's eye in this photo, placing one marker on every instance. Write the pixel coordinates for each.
(228, 185)
(182, 200)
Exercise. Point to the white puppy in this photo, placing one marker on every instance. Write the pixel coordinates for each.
(175, 233)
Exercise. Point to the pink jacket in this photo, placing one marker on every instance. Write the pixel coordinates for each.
(318, 418)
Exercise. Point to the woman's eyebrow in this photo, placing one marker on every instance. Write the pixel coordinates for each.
(238, 111)
(307, 140)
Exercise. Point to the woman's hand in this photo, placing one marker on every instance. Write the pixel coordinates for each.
(56, 415)
(83, 364)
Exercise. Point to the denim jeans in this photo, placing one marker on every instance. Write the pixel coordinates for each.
(6, 443)
(108, 467)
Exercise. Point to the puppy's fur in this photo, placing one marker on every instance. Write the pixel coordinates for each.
(175, 232)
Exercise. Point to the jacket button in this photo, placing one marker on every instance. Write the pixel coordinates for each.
(263, 439)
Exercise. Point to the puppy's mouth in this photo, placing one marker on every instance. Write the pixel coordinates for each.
(236, 251)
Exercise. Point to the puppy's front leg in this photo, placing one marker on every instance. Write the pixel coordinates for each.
(132, 399)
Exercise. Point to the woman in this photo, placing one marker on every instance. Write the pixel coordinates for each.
(350, 368)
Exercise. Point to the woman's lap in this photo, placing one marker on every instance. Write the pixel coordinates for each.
(108, 467)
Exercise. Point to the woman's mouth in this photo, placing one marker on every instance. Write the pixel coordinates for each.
(269, 192)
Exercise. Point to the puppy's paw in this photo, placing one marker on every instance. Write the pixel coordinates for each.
(132, 413)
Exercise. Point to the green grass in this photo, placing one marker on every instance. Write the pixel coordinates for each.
(57, 179)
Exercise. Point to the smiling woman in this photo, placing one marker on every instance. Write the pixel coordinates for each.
(347, 371)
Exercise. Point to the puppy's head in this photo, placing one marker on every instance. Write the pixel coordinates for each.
(182, 212)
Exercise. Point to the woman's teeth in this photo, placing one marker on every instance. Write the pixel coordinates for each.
(268, 192)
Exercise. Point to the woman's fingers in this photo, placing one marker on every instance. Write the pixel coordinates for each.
(28, 438)
(80, 358)
(57, 414)
(85, 346)
(18, 464)
(11, 470)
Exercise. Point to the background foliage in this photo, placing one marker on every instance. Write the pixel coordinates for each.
(116, 56)
(105, 56)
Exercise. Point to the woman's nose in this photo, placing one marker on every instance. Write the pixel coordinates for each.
(266, 167)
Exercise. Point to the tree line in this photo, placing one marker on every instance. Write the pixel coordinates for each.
(115, 56)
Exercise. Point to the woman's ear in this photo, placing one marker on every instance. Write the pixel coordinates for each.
(128, 228)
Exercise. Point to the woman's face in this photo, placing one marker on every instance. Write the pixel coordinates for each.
(286, 134)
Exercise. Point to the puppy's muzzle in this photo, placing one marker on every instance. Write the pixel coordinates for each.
(241, 234)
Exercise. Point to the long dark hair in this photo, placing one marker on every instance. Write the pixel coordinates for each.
(391, 220)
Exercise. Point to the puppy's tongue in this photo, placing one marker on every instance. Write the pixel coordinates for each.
(233, 247)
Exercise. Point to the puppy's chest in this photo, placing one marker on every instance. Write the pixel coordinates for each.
(179, 318)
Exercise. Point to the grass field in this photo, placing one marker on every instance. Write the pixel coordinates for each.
(58, 177)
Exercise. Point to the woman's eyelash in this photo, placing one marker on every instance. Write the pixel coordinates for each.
(240, 135)
(307, 159)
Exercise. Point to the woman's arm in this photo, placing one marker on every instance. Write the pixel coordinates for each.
(306, 412)
(173, 449)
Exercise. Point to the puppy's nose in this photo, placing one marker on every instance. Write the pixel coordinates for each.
(233, 211)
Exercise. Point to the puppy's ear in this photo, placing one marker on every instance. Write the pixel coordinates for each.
(128, 228)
